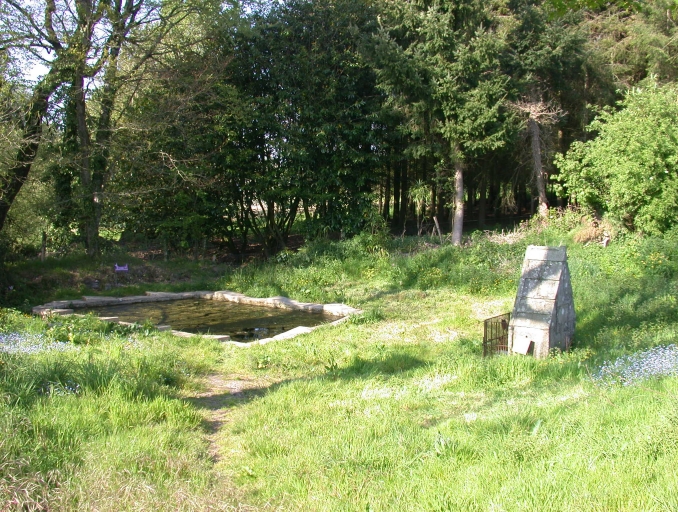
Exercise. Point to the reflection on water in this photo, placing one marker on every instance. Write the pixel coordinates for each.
(243, 322)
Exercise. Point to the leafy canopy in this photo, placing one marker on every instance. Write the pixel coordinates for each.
(630, 170)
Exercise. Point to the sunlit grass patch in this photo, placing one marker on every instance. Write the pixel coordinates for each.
(392, 410)
(446, 429)
(70, 386)
(392, 440)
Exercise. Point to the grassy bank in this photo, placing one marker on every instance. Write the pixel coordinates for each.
(90, 415)
(396, 410)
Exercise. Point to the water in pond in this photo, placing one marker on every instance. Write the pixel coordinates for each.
(243, 322)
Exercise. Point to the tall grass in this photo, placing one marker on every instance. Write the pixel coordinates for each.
(109, 406)
(395, 410)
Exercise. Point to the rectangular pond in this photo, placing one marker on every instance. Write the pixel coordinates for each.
(242, 322)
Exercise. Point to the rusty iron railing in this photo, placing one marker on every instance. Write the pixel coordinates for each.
(495, 338)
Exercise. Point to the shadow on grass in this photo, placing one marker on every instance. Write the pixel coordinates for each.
(615, 317)
(217, 400)
(219, 397)
(390, 364)
(226, 400)
(223, 396)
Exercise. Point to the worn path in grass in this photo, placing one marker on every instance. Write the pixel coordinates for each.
(218, 396)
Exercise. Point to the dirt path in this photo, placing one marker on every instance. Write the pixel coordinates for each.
(218, 398)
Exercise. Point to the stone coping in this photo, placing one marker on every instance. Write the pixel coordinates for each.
(68, 307)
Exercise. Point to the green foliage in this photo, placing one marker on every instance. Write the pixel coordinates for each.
(12, 100)
(253, 115)
(563, 6)
(445, 60)
(648, 44)
(29, 218)
(420, 194)
(379, 403)
(631, 168)
(255, 141)
(102, 413)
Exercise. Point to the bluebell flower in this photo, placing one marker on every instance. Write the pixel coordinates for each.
(659, 361)
(24, 343)
(61, 389)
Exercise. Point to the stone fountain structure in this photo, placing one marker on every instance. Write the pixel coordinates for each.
(543, 315)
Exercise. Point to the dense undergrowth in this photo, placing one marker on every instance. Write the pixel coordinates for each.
(394, 410)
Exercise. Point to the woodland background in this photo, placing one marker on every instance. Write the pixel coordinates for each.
(195, 122)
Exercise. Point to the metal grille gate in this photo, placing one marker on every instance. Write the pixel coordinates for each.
(495, 338)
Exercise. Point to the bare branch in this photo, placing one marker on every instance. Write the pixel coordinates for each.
(27, 16)
(542, 112)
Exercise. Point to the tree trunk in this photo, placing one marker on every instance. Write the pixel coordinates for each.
(494, 196)
(43, 248)
(433, 208)
(386, 212)
(307, 213)
(101, 151)
(521, 196)
(441, 201)
(403, 196)
(396, 191)
(89, 200)
(442, 210)
(533, 128)
(458, 202)
(30, 143)
(482, 203)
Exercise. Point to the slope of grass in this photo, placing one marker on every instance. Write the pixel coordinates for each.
(33, 282)
(395, 410)
(87, 408)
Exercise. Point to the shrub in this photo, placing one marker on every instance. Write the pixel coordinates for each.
(631, 168)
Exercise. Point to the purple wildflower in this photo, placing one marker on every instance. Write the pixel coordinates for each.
(24, 343)
(659, 361)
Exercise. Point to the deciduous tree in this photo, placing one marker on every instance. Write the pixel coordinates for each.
(630, 170)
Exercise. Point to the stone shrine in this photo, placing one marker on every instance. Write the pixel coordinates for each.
(543, 314)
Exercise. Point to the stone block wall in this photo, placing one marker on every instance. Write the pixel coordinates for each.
(543, 314)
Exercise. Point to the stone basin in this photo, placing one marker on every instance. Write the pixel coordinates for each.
(273, 326)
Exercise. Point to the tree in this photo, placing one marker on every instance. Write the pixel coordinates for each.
(265, 119)
(539, 114)
(440, 62)
(23, 129)
(176, 176)
(80, 42)
(630, 170)
(547, 64)
(318, 120)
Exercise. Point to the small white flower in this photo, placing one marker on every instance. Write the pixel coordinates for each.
(470, 416)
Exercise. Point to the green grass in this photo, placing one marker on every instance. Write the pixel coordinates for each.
(35, 282)
(416, 441)
(106, 413)
(395, 410)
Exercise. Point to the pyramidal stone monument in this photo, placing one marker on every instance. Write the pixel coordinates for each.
(543, 315)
